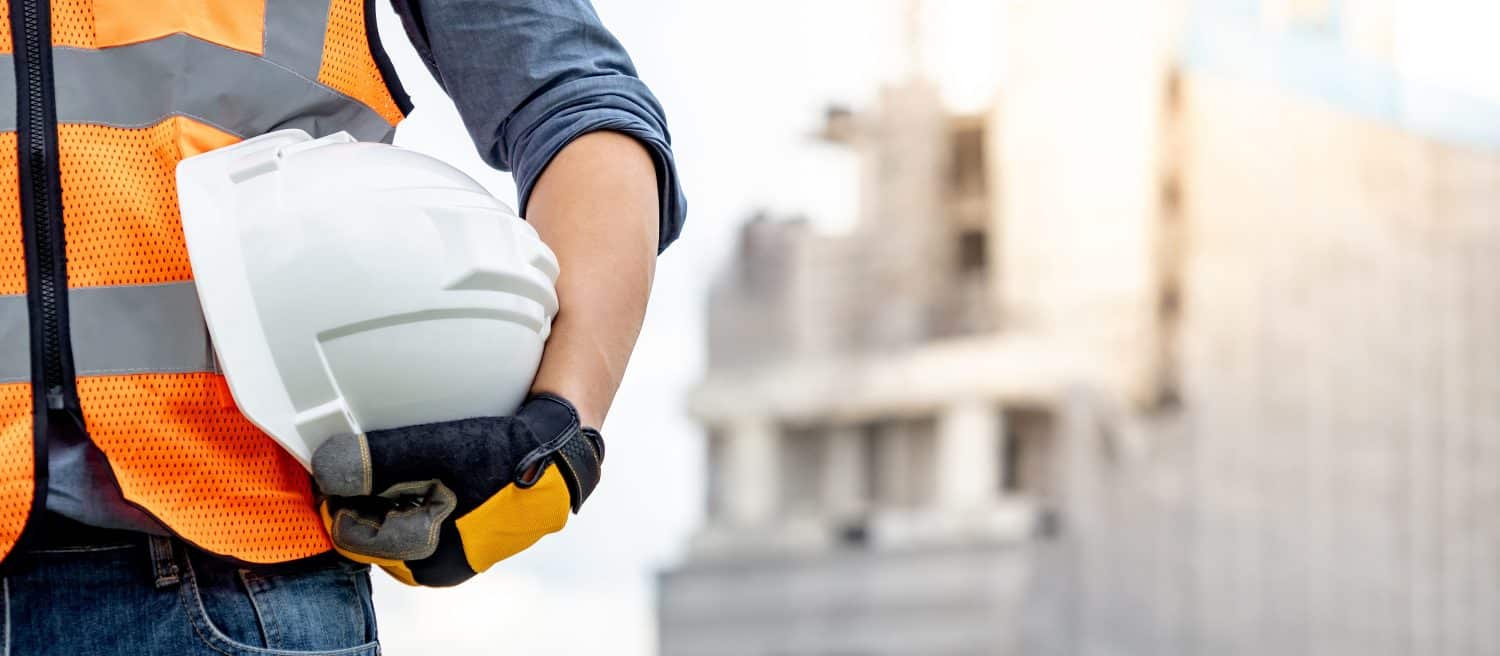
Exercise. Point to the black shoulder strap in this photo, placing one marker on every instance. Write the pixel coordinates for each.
(410, 12)
(383, 61)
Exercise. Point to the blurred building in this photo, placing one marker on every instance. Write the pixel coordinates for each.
(1316, 241)
(1190, 347)
(862, 500)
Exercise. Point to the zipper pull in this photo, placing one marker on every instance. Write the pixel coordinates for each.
(57, 401)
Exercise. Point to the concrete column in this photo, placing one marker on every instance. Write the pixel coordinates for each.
(968, 454)
(750, 471)
(844, 480)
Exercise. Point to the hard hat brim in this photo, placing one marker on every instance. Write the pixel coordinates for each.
(206, 194)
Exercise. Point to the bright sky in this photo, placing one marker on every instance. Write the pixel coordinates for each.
(743, 83)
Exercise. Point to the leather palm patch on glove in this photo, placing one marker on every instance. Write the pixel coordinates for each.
(438, 503)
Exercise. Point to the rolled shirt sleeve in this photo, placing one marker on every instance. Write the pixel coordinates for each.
(530, 76)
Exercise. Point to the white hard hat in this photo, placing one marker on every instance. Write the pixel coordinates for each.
(351, 287)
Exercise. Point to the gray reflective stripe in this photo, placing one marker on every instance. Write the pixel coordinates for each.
(15, 340)
(243, 94)
(295, 30)
(117, 331)
(137, 329)
(8, 93)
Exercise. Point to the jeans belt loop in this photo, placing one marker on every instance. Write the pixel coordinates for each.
(163, 561)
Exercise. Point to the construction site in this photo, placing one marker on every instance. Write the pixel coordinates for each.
(1186, 346)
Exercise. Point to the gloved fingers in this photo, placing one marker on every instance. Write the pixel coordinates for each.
(474, 540)
(474, 457)
(405, 531)
(396, 568)
(436, 504)
(402, 524)
(408, 539)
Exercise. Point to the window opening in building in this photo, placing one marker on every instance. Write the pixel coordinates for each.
(1026, 455)
(966, 171)
(973, 252)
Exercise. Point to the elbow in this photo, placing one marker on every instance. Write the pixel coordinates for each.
(529, 140)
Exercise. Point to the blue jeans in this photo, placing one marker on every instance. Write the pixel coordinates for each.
(91, 592)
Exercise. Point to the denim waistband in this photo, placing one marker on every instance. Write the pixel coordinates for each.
(56, 533)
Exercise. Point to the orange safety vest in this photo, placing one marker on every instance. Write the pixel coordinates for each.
(99, 319)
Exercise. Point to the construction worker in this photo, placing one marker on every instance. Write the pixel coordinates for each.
(141, 512)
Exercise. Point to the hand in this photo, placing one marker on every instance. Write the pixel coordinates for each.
(438, 503)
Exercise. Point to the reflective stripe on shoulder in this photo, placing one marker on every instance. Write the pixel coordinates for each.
(117, 331)
(179, 75)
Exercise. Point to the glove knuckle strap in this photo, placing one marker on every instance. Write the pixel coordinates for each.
(559, 438)
(582, 462)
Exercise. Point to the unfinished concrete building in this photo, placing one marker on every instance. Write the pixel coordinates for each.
(876, 437)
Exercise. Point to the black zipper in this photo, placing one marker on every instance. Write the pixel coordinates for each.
(36, 137)
(54, 389)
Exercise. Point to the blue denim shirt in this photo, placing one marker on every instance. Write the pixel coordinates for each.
(528, 77)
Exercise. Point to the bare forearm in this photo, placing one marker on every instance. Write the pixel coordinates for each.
(596, 206)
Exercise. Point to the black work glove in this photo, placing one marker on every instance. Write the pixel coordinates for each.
(438, 503)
